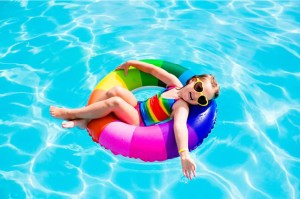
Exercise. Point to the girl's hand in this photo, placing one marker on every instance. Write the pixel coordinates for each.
(124, 67)
(188, 165)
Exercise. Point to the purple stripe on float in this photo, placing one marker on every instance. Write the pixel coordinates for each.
(193, 138)
(116, 137)
(147, 143)
(169, 138)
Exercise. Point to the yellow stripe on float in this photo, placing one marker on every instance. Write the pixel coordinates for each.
(111, 80)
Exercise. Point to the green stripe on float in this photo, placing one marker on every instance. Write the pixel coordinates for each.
(174, 69)
(147, 79)
(133, 79)
(155, 62)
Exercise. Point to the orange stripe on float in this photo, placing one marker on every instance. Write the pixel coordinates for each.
(96, 126)
(96, 96)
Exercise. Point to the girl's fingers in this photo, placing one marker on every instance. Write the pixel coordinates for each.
(122, 67)
(185, 173)
(194, 172)
(189, 175)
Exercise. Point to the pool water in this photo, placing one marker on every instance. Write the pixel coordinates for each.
(54, 53)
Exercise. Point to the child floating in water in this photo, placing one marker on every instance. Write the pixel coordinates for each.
(199, 90)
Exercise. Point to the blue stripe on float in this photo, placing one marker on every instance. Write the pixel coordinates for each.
(204, 122)
(185, 76)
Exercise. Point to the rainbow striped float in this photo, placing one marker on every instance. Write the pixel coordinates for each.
(151, 143)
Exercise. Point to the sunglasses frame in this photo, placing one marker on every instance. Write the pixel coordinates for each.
(198, 80)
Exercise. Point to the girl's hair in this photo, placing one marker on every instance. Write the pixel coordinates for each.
(213, 82)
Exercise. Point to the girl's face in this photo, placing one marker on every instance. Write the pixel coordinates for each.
(190, 95)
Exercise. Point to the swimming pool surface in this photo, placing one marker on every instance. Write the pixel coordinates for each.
(54, 53)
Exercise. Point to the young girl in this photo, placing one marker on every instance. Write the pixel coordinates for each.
(197, 91)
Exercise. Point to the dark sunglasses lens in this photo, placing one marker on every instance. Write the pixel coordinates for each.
(202, 100)
(198, 87)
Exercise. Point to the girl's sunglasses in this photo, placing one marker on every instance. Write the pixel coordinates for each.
(198, 87)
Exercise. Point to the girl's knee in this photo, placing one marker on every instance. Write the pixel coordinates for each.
(118, 89)
(123, 93)
(123, 110)
(115, 91)
(115, 102)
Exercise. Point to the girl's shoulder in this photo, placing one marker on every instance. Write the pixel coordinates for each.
(180, 103)
(180, 109)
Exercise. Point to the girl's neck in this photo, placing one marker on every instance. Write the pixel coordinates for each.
(172, 94)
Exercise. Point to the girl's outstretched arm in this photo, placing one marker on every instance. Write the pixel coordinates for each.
(159, 73)
(180, 114)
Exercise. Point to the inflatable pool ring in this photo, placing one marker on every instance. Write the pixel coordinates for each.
(148, 143)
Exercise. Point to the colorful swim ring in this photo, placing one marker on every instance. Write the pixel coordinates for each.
(151, 143)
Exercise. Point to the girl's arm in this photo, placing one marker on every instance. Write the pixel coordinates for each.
(159, 73)
(180, 114)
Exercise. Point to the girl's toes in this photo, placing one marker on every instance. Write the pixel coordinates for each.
(67, 124)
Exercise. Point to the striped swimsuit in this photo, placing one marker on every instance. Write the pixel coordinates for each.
(155, 109)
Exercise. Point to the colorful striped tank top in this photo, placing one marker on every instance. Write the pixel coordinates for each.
(156, 108)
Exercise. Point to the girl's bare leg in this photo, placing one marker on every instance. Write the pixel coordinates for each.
(123, 110)
(123, 93)
(120, 92)
(62, 113)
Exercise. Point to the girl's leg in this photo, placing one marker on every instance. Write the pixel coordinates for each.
(123, 110)
(125, 94)
(119, 92)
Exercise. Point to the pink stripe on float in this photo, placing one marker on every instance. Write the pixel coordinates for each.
(116, 137)
(148, 144)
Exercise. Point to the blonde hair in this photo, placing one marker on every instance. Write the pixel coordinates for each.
(213, 82)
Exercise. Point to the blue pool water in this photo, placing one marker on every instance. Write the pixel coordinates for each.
(54, 53)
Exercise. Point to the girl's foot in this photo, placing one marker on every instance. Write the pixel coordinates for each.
(61, 113)
(81, 123)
